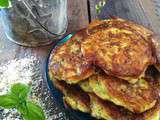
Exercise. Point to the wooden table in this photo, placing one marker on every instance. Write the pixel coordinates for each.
(80, 13)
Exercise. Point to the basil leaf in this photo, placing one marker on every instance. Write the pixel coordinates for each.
(22, 108)
(34, 112)
(20, 90)
(8, 101)
(4, 3)
(100, 6)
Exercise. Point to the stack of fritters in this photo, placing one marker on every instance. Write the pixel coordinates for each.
(101, 70)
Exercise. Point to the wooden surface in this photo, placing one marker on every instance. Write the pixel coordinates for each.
(146, 12)
(10, 50)
(78, 18)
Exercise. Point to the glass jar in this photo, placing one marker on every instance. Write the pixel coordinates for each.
(35, 22)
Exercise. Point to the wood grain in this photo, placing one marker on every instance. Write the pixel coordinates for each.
(145, 12)
(77, 18)
(92, 10)
(77, 14)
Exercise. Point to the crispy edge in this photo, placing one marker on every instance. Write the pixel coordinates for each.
(74, 97)
(138, 29)
(108, 110)
(88, 71)
(99, 79)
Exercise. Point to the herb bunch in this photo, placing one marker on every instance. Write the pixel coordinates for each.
(5, 3)
(18, 98)
(100, 5)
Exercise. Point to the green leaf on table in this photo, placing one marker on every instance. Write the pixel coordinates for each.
(8, 101)
(4, 3)
(34, 112)
(21, 90)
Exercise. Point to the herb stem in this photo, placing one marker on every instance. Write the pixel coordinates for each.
(100, 6)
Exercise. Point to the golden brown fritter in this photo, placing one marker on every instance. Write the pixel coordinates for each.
(67, 62)
(74, 97)
(122, 24)
(101, 109)
(93, 24)
(85, 86)
(108, 111)
(137, 97)
(120, 48)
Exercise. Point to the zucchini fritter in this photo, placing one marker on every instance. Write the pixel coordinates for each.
(67, 62)
(120, 48)
(122, 24)
(74, 97)
(101, 109)
(108, 111)
(123, 50)
(85, 86)
(137, 97)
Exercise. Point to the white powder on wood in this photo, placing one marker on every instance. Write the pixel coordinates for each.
(16, 71)
(27, 71)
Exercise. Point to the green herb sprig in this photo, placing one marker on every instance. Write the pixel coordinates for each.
(18, 98)
(5, 3)
(100, 5)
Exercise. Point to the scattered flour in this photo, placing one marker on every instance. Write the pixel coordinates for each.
(27, 70)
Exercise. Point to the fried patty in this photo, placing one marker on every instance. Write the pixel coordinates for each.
(121, 48)
(137, 97)
(85, 86)
(74, 97)
(121, 23)
(101, 109)
(108, 111)
(67, 62)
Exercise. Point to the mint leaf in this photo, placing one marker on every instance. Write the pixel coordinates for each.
(34, 112)
(8, 101)
(4, 3)
(20, 90)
